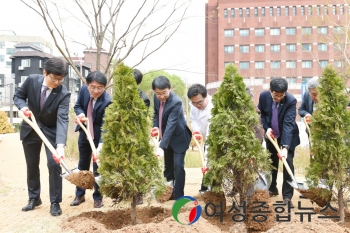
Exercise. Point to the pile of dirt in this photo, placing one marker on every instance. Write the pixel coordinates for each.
(319, 195)
(214, 199)
(83, 179)
(165, 196)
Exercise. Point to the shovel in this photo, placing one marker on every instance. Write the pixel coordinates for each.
(308, 130)
(200, 146)
(35, 126)
(292, 183)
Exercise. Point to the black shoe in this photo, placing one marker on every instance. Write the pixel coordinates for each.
(31, 204)
(273, 191)
(98, 203)
(55, 209)
(77, 201)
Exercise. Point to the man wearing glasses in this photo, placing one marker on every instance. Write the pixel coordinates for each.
(278, 112)
(201, 106)
(43, 97)
(91, 103)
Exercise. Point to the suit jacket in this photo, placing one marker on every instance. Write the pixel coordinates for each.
(144, 97)
(174, 128)
(307, 105)
(53, 118)
(98, 113)
(289, 131)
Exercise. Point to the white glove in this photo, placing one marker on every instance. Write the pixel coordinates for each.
(59, 154)
(284, 153)
(159, 153)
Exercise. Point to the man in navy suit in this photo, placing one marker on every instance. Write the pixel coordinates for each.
(93, 94)
(309, 100)
(48, 101)
(173, 131)
(278, 112)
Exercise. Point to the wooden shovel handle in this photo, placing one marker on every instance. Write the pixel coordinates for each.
(200, 149)
(88, 134)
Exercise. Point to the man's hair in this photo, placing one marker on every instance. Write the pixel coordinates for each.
(138, 76)
(197, 89)
(97, 76)
(279, 85)
(56, 66)
(247, 89)
(161, 82)
(312, 83)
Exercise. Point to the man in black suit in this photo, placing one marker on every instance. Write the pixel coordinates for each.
(278, 112)
(173, 131)
(92, 102)
(309, 100)
(138, 77)
(48, 100)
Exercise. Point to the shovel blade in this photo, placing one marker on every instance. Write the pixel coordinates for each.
(65, 174)
(297, 185)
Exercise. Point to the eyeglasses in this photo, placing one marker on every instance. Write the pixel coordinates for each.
(274, 96)
(198, 103)
(60, 80)
(94, 88)
(163, 93)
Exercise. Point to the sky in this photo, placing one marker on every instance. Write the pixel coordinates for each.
(183, 55)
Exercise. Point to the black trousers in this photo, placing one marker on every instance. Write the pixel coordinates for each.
(32, 147)
(174, 169)
(287, 190)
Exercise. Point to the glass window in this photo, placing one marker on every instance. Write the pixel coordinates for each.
(247, 14)
(244, 32)
(263, 11)
(225, 13)
(291, 64)
(287, 10)
(306, 47)
(244, 65)
(275, 31)
(338, 64)
(291, 80)
(244, 48)
(256, 12)
(294, 10)
(275, 48)
(259, 48)
(291, 47)
(229, 49)
(25, 62)
(306, 31)
(302, 10)
(10, 51)
(325, 10)
(306, 64)
(259, 32)
(291, 31)
(8, 64)
(341, 9)
(228, 33)
(259, 65)
(305, 79)
(275, 64)
(310, 10)
(259, 81)
(240, 12)
(323, 63)
(334, 10)
(322, 47)
(322, 30)
(318, 10)
(232, 13)
(337, 30)
(278, 11)
(2, 58)
(271, 11)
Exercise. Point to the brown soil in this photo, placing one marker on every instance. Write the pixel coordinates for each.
(83, 179)
(165, 196)
(215, 198)
(318, 195)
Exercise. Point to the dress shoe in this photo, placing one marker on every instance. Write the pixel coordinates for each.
(273, 191)
(98, 203)
(55, 209)
(77, 201)
(139, 199)
(286, 201)
(31, 204)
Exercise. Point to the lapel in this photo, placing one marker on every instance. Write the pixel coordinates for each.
(281, 105)
(167, 103)
(38, 86)
(52, 96)
(97, 105)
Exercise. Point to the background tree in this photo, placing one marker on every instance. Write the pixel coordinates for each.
(128, 164)
(5, 126)
(330, 127)
(235, 154)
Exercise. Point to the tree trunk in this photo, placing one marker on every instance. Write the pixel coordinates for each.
(341, 204)
(133, 210)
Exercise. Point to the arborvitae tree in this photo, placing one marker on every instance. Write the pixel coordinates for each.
(330, 127)
(5, 126)
(128, 164)
(235, 154)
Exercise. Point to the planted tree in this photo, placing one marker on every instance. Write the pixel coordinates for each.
(330, 127)
(235, 154)
(128, 164)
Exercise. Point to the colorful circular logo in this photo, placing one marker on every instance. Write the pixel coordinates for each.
(195, 212)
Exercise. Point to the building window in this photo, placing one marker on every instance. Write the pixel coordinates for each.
(244, 65)
(229, 49)
(25, 62)
(40, 64)
(338, 47)
(275, 31)
(259, 48)
(228, 33)
(341, 9)
(291, 64)
(228, 63)
(306, 31)
(278, 11)
(271, 11)
(306, 64)
(291, 80)
(259, 32)
(306, 47)
(325, 10)
(287, 10)
(322, 30)
(240, 12)
(302, 10)
(275, 64)
(10, 51)
(244, 48)
(2, 58)
(256, 12)
(244, 32)
(263, 11)
(310, 10)
(334, 10)
(294, 10)
(305, 79)
(291, 47)
(247, 14)
(225, 13)
(291, 31)
(275, 48)
(337, 30)
(259, 65)
(8, 64)
(323, 63)
(232, 13)
(338, 64)
(318, 10)
(322, 47)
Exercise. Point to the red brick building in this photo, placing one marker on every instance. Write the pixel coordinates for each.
(270, 38)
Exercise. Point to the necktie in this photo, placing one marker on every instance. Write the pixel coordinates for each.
(90, 109)
(161, 108)
(43, 97)
(275, 128)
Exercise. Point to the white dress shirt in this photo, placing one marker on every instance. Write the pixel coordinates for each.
(200, 118)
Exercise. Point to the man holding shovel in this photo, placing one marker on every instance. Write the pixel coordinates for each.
(278, 112)
(47, 100)
(91, 103)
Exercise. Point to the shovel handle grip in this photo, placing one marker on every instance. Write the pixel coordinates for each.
(201, 152)
(88, 134)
